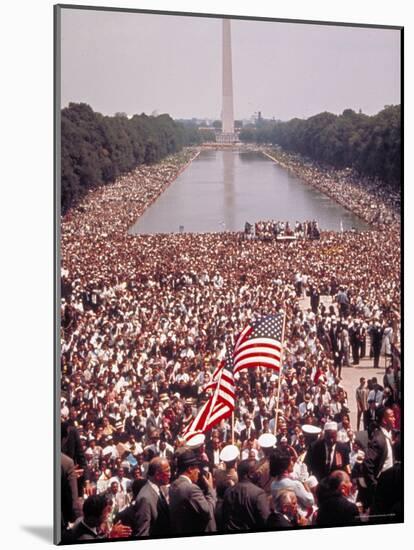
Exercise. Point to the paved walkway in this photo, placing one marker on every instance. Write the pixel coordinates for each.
(351, 375)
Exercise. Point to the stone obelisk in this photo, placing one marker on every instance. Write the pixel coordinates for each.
(227, 112)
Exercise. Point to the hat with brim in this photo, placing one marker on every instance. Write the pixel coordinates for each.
(187, 459)
(309, 429)
(195, 441)
(229, 453)
(267, 441)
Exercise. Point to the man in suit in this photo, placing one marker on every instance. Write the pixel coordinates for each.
(71, 507)
(388, 492)
(370, 418)
(245, 506)
(326, 454)
(334, 506)
(166, 450)
(314, 299)
(379, 456)
(213, 453)
(128, 516)
(376, 332)
(71, 446)
(151, 508)
(96, 511)
(154, 420)
(361, 396)
(259, 419)
(192, 508)
(286, 511)
(248, 431)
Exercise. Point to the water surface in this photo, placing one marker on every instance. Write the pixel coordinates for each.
(221, 190)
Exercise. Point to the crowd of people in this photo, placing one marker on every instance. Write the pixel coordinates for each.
(372, 200)
(145, 321)
(272, 229)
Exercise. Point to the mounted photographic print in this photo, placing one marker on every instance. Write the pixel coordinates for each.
(228, 274)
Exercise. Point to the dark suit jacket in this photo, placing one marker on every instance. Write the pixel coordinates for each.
(316, 458)
(243, 433)
(337, 510)
(72, 447)
(128, 517)
(276, 520)
(152, 514)
(375, 458)
(258, 422)
(210, 456)
(370, 421)
(388, 494)
(71, 508)
(191, 511)
(80, 531)
(245, 507)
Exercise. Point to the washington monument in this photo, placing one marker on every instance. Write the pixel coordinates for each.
(227, 111)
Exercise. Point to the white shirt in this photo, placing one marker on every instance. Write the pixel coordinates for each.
(305, 407)
(216, 457)
(330, 457)
(389, 459)
(375, 395)
(343, 436)
(246, 452)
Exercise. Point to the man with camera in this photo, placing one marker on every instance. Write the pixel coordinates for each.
(192, 497)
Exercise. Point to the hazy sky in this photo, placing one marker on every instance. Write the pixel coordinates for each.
(136, 63)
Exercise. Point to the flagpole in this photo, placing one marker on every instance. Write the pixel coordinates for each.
(232, 428)
(280, 374)
(214, 400)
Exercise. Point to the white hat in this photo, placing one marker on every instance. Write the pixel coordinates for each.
(331, 426)
(310, 429)
(229, 453)
(266, 441)
(196, 441)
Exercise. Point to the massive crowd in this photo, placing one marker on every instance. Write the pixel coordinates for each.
(147, 318)
(273, 229)
(372, 200)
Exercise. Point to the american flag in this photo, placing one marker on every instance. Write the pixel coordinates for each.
(220, 403)
(260, 344)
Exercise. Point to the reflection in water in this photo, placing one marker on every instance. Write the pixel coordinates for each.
(229, 190)
(221, 190)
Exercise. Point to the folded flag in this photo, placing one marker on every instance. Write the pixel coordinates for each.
(220, 403)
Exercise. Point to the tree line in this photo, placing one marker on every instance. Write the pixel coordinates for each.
(96, 149)
(369, 144)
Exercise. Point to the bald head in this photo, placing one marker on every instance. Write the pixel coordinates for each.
(159, 471)
(340, 481)
(339, 475)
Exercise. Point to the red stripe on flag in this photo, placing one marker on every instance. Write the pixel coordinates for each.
(254, 364)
